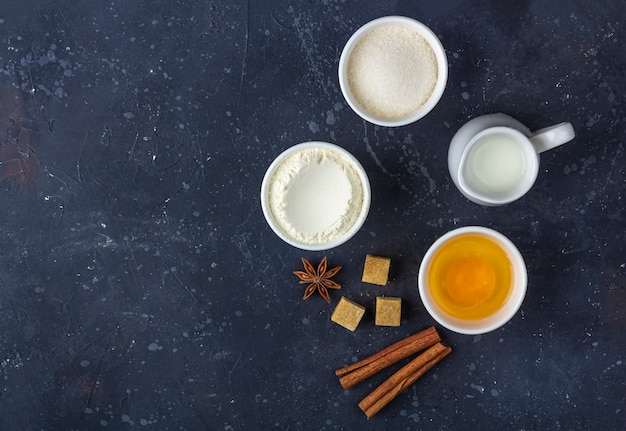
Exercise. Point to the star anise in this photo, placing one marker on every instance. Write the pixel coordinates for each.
(318, 279)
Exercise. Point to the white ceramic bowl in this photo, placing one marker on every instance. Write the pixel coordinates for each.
(499, 318)
(442, 70)
(317, 192)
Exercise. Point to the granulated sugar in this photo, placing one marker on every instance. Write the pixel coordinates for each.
(315, 195)
(392, 71)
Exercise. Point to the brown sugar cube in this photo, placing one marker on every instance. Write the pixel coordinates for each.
(376, 270)
(388, 311)
(348, 313)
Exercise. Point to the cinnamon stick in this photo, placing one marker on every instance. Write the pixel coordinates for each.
(402, 379)
(355, 373)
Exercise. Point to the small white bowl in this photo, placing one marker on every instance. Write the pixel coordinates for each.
(511, 304)
(282, 182)
(440, 83)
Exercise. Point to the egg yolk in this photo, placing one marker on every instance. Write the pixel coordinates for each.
(470, 281)
(470, 276)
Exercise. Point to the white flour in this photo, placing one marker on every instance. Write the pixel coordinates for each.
(315, 195)
(392, 71)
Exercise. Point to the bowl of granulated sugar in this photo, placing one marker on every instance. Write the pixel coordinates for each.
(315, 195)
(393, 71)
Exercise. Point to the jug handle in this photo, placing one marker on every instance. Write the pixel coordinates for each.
(553, 136)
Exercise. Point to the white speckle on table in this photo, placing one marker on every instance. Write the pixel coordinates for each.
(153, 347)
(330, 118)
(479, 388)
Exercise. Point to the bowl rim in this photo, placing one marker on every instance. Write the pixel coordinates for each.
(442, 69)
(490, 323)
(269, 216)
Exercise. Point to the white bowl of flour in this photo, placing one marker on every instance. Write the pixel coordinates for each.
(315, 196)
(393, 71)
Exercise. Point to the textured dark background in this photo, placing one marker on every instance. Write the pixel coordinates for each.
(141, 287)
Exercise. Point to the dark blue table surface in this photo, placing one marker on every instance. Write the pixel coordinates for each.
(141, 287)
